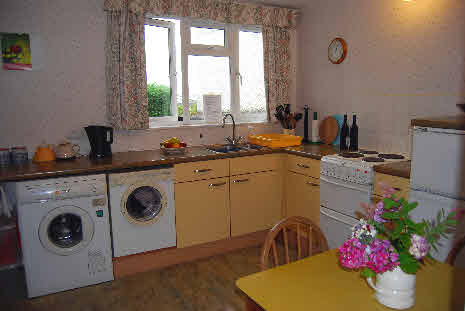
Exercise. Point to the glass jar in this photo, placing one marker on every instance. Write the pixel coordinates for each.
(4, 157)
(19, 155)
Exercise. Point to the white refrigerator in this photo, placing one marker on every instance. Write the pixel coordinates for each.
(437, 179)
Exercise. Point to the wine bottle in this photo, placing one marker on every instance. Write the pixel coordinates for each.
(354, 135)
(344, 135)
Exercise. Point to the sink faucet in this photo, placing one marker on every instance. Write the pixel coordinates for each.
(233, 140)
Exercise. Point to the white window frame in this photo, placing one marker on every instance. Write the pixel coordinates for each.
(168, 120)
(230, 49)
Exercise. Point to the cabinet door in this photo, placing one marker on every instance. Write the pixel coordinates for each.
(202, 211)
(256, 202)
(303, 196)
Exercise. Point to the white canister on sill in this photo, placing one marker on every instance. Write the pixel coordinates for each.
(315, 128)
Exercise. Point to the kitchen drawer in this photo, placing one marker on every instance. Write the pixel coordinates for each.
(201, 170)
(253, 164)
(402, 185)
(301, 165)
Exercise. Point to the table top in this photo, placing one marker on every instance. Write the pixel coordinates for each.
(320, 283)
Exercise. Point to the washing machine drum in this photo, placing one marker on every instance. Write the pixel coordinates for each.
(143, 205)
(66, 230)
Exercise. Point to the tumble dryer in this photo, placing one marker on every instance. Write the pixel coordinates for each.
(142, 211)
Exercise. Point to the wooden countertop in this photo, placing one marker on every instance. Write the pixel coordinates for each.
(452, 122)
(141, 159)
(399, 169)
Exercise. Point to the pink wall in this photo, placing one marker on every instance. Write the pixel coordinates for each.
(66, 89)
(405, 60)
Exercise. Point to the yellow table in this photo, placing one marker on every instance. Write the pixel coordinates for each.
(319, 283)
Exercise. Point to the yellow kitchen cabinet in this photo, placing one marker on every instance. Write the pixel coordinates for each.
(253, 164)
(302, 196)
(303, 165)
(202, 211)
(201, 170)
(256, 202)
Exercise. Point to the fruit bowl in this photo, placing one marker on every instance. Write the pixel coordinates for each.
(173, 151)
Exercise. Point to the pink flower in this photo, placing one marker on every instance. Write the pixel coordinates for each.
(382, 256)
(352, 254)
(387, 190)
(420, 247)
(379, 211)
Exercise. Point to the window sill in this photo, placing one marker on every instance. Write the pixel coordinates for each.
(203, 125)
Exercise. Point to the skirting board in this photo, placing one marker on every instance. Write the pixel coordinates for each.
(128, 265)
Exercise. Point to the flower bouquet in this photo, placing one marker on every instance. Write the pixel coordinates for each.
(386, 239)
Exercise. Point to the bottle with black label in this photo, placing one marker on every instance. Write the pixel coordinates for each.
(354, 135)
(344, 135)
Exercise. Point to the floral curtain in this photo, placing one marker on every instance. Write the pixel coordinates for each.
(276, 59)
(126, 80)
(126, 76)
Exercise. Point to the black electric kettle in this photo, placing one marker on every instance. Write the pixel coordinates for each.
(100, 138)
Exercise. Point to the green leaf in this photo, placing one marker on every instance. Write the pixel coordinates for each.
(397, 230)
(405, 240)
(408, 264)
(390, 203)
(367, 272)
(391, 215)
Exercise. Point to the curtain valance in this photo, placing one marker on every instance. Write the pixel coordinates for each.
(221, 11)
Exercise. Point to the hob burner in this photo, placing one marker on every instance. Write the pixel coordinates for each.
(372, 159)
(391, 156)
(368, 152)
(351, 155)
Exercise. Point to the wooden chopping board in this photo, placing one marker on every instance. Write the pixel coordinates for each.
(329, 128)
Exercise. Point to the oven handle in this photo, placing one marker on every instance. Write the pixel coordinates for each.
(343, 184)
(333, 217)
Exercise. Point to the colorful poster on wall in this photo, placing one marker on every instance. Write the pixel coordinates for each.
(16, 51)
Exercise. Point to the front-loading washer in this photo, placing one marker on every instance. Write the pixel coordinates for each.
(142, 211)
(65, 232)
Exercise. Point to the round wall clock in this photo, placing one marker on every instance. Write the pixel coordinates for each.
(337, 51)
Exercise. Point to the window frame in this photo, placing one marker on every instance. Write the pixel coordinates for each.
(230, 50)
(168, 120)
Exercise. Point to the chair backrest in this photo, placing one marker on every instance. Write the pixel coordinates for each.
(305, 230)
(454, 252)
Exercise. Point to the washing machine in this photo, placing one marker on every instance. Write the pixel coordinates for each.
(142, 211)
(65, 232)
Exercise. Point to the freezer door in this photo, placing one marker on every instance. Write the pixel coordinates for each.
(336, 227)
(428, 207)
(438, 162)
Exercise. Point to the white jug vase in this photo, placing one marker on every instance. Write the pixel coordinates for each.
(395, 289)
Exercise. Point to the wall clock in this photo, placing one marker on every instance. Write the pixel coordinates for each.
(337, 51)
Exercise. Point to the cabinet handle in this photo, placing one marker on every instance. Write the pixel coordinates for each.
(237, 181)
(302, 165)
(217, 185)
(312, 184)
(203, 171)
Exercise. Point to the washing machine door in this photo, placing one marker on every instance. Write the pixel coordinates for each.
(143, 203)
(66, 230)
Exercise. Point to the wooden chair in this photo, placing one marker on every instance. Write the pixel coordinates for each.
(305, 229)
(454, 252)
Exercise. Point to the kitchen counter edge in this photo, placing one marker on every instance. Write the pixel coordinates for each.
(140, 160)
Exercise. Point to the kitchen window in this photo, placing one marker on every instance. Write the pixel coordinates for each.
(186, 60)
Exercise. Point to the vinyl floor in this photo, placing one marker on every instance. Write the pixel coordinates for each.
(207, 284)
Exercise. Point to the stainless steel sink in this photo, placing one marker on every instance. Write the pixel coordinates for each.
(224, 148)
(233, 148)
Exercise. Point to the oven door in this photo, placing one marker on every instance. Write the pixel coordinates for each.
(336, 227)
(343, 197)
